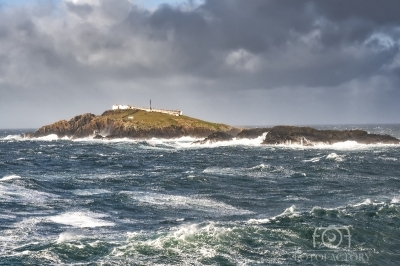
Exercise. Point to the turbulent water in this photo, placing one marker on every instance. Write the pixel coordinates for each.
(168, 202)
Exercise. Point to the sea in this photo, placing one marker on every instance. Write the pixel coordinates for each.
(171, 202)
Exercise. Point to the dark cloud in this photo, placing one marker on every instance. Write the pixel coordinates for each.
(219, 55)
(378, 12)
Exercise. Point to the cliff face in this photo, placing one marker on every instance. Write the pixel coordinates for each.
(76, 126)
(132, 124)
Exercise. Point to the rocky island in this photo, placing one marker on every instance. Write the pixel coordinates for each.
(132, 123)
(142, 123)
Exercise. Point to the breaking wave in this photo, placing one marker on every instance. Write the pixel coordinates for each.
(81, 219)
(159, 200)
(9, 177)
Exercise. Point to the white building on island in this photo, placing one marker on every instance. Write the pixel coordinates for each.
(126, 107)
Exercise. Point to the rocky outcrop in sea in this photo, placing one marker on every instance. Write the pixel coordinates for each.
(139, 124)
(305, 136)
(118, 124)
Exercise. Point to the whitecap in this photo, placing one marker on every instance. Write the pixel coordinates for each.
(221, 170)
(295, 198)
(313, 160)
(387, 158)
(81, 219)
(331, 156)
(10, 177)
(367, 202)
(13, 137)
(194, 202)
(234, 142)
(69, 235)
(259, 221)
(259, 167)
(88, 192)
(288, 212)
(13, 192)
(334, 156)
(395, 200)
(50, 137)
(194, 241)
(345, 145)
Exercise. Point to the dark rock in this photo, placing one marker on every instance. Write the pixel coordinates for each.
(76, 127)
(215, 137)
(98, 137)
(252, 133)
(308, 136)
(111, 137)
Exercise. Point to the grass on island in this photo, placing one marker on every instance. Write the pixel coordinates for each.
(153, 119)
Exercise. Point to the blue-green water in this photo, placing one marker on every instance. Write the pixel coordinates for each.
(167, 202)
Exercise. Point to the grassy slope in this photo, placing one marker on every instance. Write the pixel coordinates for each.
(145, 119)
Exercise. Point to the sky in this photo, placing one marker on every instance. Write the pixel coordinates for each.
(259, 62)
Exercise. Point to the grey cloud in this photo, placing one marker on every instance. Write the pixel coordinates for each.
(378, 12)
(80, 10)
(114, 50)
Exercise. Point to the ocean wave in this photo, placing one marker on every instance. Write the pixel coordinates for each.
(81, 219)
(12, 137)
(332, 156)
(211, 243)
(290, 212)
(183, 202)
(257, 171)
(362, 209)
(51, 137)
(395, 200)
(313, 160)
(256, 142)
(89, 192)
(15, 193)
(187, 142)
(346, 145)
(367, 202)
(295, 198)
(260, 167)
(384, 158)
(9, 177)
(70, 235)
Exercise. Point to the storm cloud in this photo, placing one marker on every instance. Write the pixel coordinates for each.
(258, 62)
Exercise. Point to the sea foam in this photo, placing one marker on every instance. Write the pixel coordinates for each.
(197, 203)
(81, 219)
(9, 177)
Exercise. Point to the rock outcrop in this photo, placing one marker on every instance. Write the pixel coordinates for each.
(305, 136)
(77, 126)
(252, 133)
(308, 136)
(139, 124)
(215, 137)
